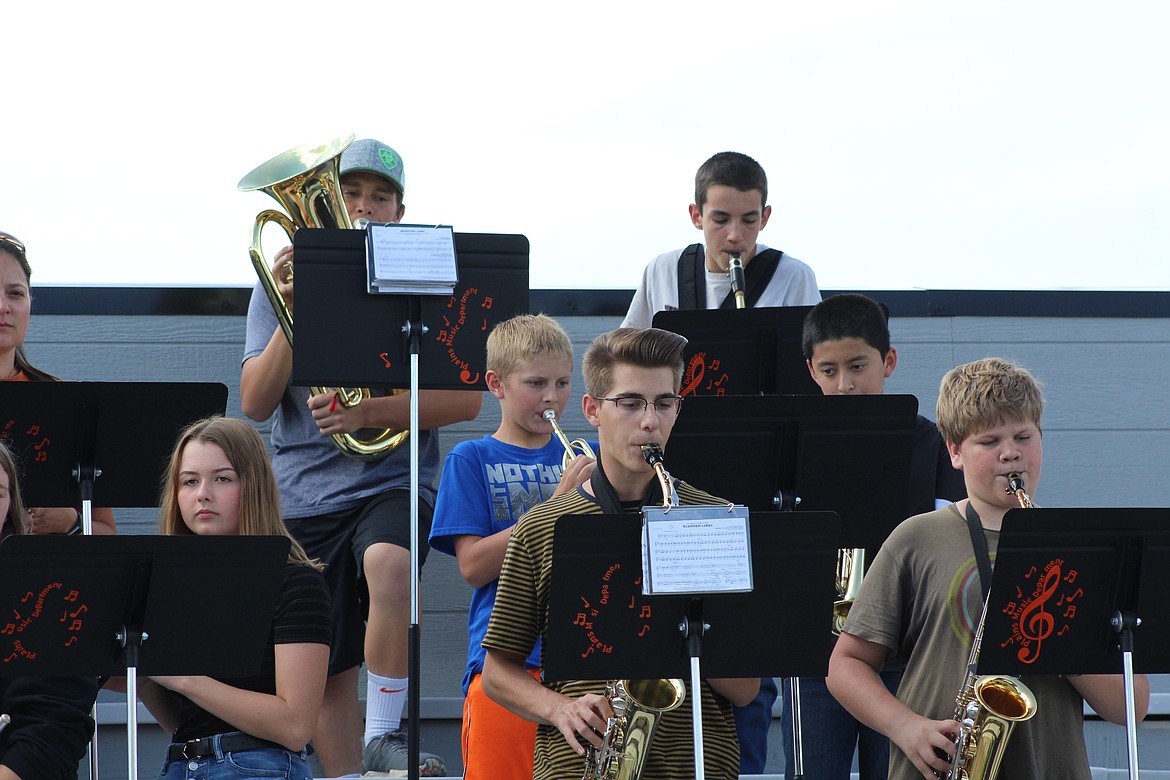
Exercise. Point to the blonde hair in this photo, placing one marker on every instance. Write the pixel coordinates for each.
(15, 522)
(514, 342)
(641, 347)
(979, 395)
(259, 498)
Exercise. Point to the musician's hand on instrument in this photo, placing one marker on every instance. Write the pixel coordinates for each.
(583, 720)
(575, 475)
(333, 416)
(923, 739)
(282, 274)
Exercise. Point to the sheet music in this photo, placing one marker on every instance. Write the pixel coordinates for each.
(696, 550)
(417, 259)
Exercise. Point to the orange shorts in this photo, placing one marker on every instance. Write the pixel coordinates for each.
(497, 745)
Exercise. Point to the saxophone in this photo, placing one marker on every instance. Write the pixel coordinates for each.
(637, 705)
(988, 707)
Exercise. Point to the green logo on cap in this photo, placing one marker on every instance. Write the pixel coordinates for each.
(388, 158)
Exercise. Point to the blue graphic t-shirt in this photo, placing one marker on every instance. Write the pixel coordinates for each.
(485, 487)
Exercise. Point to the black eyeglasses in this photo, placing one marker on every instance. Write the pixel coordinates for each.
(635, 405)
(10, 240)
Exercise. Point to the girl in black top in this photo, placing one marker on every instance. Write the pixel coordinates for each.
(220, 482)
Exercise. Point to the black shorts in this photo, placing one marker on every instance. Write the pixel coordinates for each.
(340, 540)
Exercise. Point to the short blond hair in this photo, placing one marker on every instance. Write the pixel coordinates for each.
(641, 347)
(979, 395)
(514, 342)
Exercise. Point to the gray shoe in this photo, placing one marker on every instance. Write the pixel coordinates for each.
(388, 754)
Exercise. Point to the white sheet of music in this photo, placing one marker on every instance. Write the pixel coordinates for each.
(696, 549)
(417, 259)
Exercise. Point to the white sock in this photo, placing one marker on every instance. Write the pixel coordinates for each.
(385, 698)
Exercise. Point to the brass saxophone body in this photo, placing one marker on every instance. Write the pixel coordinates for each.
(638, 705)
(988, 707)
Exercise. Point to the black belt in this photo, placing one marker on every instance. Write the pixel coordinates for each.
(229, 743)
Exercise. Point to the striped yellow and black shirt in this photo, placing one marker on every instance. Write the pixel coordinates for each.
(520, 615)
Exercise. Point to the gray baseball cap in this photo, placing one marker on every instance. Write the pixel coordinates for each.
(375, 157)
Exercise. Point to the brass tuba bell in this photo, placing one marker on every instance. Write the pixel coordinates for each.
(306, 181)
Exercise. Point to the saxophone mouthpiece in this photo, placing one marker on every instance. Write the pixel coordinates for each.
(1015, 483)
(652, 453)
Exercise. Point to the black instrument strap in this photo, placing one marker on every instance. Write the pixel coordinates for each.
(756, 275)
(607, 496)
(691, 268)
(692, 278)
(979, 544)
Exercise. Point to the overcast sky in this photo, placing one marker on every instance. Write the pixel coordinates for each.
(909, 144)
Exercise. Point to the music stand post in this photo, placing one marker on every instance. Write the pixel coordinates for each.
(332, 269)
(601, 626)
(1069, 590)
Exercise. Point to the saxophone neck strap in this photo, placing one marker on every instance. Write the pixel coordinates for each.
(606, 496)
(692, 278)
(979, 545)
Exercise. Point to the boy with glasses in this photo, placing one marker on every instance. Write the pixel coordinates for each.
(632, 378)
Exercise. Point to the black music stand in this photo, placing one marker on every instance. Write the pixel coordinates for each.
(383, 338)
(802, 450)
(601, 627)
(742, 351)
(1069, 589)
(67, 434)
(344, 335)
(114, 605)
(796, 451)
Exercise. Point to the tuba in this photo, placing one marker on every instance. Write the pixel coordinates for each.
(572, 448)
(988, 707)
(306, 181)
(637, 705)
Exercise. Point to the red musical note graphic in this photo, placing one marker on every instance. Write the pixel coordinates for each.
(645, 612)
(385, 359)
(33, 430)
(72, 595)
(487, 302)
(43, 443)
(645, 630)
(580, 619)
(1034, 622)
(1070, 612)
(75, 625)
(1031, 571)
(1071, 577)
(72, 639)
(1064, 629)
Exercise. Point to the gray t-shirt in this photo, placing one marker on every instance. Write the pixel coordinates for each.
(314, 477)
(921, 598)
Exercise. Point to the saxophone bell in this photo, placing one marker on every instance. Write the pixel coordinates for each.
(638, 706)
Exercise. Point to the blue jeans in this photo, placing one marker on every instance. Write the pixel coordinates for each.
(829, 734)
(265, 762)
(752, 722)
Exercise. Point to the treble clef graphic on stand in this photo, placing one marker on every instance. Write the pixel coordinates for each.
(1036, 623)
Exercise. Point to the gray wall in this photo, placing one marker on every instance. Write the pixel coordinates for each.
(1107, 423)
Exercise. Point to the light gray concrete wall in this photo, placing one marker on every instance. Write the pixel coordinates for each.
(1107, 422)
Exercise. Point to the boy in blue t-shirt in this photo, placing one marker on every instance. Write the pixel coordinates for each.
(486, 486)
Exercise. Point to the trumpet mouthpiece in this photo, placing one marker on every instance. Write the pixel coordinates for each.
(550, 415)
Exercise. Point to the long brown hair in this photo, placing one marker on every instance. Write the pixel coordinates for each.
(259, 498)
(14, 524)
